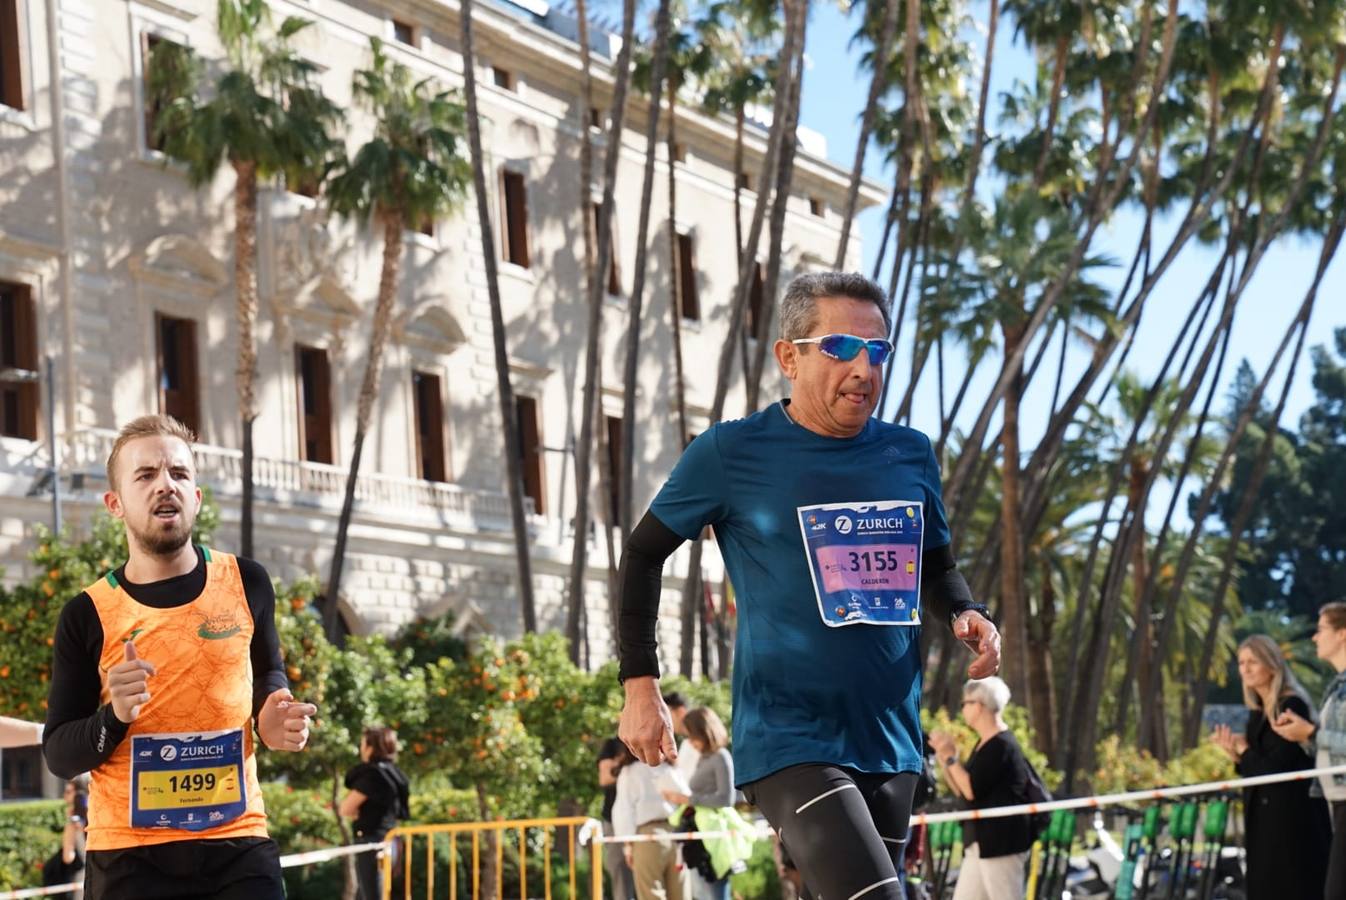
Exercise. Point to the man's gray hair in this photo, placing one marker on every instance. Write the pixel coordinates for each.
(991, 693)
(799, 306)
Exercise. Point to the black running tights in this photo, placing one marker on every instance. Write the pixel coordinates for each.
(845, 830)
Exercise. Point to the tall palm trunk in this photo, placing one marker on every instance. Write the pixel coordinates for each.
(504, 390)
(1013, 603)
(740, 114)
(1078, 652)
(1128, 533)
(603, 256)
(575, 617)
(1053, 108)
(887, 32)
(687, 600)
(979, 136)
(674, 313)
(245, 313)
(776, 239)
(391, 273)
(606, 479)
(1041, 698)
(627, 458)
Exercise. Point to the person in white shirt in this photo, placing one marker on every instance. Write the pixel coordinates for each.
(688, 755)
(640, 809)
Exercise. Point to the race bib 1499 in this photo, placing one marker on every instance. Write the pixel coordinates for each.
(191, 782)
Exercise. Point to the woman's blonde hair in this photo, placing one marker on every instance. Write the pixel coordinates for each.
(705, 726)
(1283, 681)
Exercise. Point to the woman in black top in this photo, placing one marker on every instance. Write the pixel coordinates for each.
(996, 774)
(376, 798)
(1289, 831)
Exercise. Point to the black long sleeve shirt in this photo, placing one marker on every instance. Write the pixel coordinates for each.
(80, 733)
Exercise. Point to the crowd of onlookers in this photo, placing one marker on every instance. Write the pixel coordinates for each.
(696, 794)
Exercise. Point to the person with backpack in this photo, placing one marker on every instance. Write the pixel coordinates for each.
(377, 797)
(997, 773)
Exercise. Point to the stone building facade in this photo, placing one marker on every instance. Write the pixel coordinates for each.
(121, 272)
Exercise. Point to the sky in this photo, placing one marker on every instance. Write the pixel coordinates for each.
(834, 94)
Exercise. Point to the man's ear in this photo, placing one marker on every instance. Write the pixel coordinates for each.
(787, 357)
(113, 503)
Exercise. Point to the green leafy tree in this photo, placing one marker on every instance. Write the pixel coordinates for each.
(476, 736)
(366, 683)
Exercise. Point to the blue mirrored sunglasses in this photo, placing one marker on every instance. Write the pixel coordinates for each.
(846, 347)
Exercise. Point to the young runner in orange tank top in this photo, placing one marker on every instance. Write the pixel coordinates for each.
(161, 668)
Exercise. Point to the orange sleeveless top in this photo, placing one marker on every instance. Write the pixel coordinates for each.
(203, 683)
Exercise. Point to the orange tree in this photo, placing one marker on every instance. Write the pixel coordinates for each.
(365, 683)
(29, 611)
(474, 733)
(571, 713)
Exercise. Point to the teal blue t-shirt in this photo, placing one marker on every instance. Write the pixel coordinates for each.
(805, 692)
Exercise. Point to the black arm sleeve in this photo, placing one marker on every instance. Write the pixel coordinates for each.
(640, 581)
(944, 590)
(268, 669)
(80, 734)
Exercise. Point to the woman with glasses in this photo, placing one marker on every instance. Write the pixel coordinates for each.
(996, 774)
(1287, 830)
(1327, 738)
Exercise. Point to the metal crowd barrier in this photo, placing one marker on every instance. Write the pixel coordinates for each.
(516, 853)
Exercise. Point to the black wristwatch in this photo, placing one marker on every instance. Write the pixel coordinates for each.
(978, 608)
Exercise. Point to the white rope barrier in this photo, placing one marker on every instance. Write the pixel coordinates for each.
(762, 832)
(1094, 802)
(288, 861)
(1101, 800)
(592, 829)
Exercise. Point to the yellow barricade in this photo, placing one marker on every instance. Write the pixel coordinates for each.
(456, 871)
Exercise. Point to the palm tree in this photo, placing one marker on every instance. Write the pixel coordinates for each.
(594, 298)
(413, 170)
(1016, 269)
(739, 42)
(1102, 199)
(882, 49)
(650, 76)
(784, 178)
(796, 16)
(265, 116)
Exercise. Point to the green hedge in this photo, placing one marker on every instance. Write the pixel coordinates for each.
(29, 833)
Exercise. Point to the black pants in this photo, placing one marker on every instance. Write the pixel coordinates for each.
(1336, 861)
(846, 831)
(229, 869)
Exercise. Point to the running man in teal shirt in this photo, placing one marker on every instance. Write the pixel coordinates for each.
(832, 528)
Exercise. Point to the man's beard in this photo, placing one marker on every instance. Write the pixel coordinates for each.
(163, 543)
